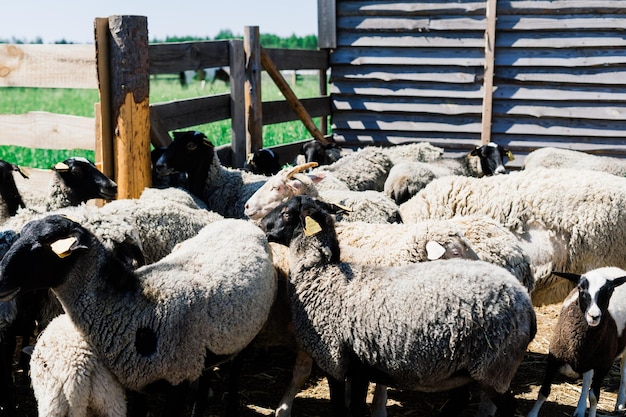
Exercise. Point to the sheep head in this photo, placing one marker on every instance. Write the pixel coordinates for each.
(281, 187)
(83, 181)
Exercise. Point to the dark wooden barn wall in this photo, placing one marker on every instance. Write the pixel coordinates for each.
(413, 71)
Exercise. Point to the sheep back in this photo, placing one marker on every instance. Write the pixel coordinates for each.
(368, 206)
(419, 324)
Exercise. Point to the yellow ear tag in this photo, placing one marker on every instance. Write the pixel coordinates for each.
(311, 227)
(23, 172)
(62, 246)
(61, 166)
(509, 155)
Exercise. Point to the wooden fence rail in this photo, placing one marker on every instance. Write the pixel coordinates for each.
(119, 65)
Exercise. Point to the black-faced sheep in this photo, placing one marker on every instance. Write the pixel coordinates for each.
(139, 322)
(224, 190)
(589, 335)
(263, 161)
(473, 320)
(11, 200)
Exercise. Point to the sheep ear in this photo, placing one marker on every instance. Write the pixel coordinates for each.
(61, 167)
(311, 227)
(65, 246)
(568, 276)
(21, 171)
(509, 155)
(618, 281)
(434, 250)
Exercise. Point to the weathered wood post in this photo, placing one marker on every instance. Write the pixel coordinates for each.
(490, 62)
(128, 89)
(254, 110)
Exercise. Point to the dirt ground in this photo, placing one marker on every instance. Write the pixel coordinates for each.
(266, 375)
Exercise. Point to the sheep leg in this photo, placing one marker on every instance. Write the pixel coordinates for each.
(584, 391)
(358, 391)
(552, 368)
(301, 371)
(504, 402)
(457, 401)
(337, 388)
(379, 401)
(620, 404)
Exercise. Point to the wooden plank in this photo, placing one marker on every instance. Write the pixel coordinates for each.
(571, 58)
(171, 58)
(291, 98)
(49, 66)
(281, 111)
(561, 6)
(326, 24)
(389, 73)
(48, 131)
(567, 109)
(589, 75)
(406, 122)
(490, 52)
(560, 93)
(412, 8)
(130, 86)
(417, 24)
(104, 131)
(178, 114)
(409, 90)
(559, 127)
(252, 95)
(296, 59)
(560, 21)
(407, 105)
(393, 39)
(237, 93)
(560, 39)
(464, 57)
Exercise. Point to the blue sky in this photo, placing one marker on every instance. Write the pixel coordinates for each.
(73, 20)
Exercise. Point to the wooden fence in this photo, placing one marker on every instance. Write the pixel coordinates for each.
(119, 65)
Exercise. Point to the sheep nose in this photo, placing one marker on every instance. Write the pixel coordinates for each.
(593, 319)
(500, 170)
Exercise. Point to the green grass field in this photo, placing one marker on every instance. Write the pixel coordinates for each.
(77, 102)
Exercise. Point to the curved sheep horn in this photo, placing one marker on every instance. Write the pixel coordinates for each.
(300, 168)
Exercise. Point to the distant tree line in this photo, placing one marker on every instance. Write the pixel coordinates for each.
(267, 40)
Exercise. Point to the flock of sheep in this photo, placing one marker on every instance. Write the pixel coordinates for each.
(394, 266)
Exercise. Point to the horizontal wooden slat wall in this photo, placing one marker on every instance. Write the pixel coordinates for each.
(413, 71)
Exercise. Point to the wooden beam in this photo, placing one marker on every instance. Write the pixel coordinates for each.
(490, 49)
(254, 113)
(293, 101)
(130, 87)
(104, 134)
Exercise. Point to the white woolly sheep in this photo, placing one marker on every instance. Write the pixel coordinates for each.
(471, 237)
(413, 152)
(561, 216)
(69, 379)
(224, 190)
(589, 335)
(74, 181)
(550, 157)
(195, 290)
(370, 206)
(468, 316)
(405, 179)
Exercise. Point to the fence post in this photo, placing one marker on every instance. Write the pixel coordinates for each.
(490, 62)
(237, 102)
(130, 109)
(254, 110)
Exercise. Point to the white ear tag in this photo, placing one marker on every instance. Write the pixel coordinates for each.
(311, 227)
(62, 246)
(434, 250)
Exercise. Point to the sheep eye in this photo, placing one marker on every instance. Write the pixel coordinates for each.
(191, 146)
(75, 170)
